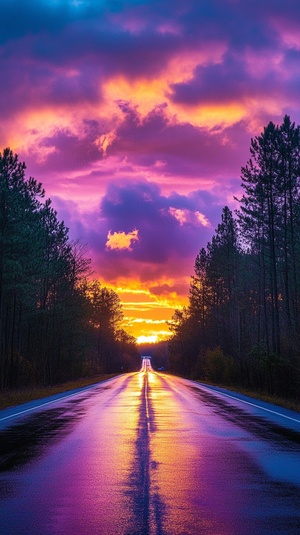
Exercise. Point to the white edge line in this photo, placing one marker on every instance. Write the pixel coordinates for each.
(252, 404)
(47, 403)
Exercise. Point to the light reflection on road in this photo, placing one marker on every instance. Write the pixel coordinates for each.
(143, 454)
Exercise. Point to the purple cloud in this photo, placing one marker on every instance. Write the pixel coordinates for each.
(44, 42)
(184, 149)
(163, 241)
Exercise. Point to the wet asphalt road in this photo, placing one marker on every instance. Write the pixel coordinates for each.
(149, 453)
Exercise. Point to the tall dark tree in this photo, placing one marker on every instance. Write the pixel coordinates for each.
(107, 317)
(288, 241)
(259, 223)
(200, 293)
(19, 229)
(48, 315)
(223, 279)
(184, 344)
(213, 289)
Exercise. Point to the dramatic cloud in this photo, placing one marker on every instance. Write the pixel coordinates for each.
(138, 233)
(137, 117)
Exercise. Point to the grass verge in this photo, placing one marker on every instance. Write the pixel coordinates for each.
(11, 398)
(275, 400)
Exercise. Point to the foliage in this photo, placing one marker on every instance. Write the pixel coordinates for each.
(218, 368)
(52, 321)
(245, 291)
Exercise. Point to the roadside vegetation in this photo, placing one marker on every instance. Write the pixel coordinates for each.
(258, 395)
(242, 325)
(56, 322)
(11, 398)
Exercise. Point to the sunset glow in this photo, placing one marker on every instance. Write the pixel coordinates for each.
(137, 117)
(151, 339)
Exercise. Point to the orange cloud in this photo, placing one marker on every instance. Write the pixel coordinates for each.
(121, 240)
(146, 314)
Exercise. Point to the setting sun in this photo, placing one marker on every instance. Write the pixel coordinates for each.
(151, 339)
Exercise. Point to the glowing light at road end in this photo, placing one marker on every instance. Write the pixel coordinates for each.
(146, 365)
(150, 339)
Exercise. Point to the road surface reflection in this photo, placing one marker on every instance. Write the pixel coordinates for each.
(144, 454)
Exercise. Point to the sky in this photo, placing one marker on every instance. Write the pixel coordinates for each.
(137, 117)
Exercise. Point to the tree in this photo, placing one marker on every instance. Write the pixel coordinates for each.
(19, 216)
(289, 175)
(128, 356)
(47, 317)
(259, 219)
(213, 289)
(184, 343)
(106, 318)
(245, 291)
(223, 274)
(200, 292)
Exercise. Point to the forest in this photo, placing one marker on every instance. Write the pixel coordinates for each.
(56, 322)
(242, 324)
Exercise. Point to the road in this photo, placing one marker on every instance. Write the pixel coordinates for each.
(149, 453)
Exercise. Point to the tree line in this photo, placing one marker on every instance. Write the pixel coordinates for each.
(55, 322)
(242, 325)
